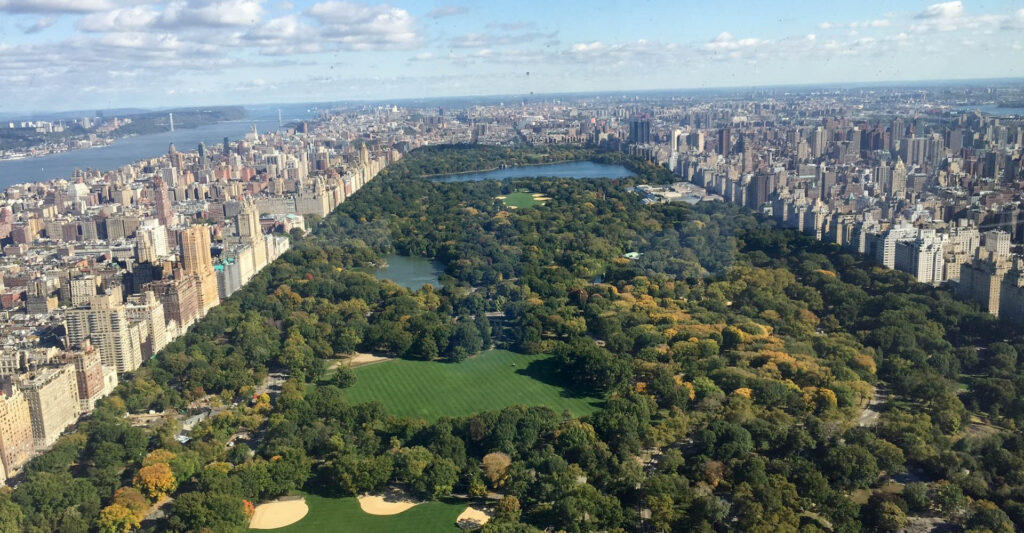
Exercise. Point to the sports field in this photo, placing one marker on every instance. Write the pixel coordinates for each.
(343, 515)
(490, 381)
(521, 200)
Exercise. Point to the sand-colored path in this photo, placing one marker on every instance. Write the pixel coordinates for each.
(272, 515)
(391, 503)
(473, 518)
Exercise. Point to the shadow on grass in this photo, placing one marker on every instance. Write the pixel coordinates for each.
(546, 371)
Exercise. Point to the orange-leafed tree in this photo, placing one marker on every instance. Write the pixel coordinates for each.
(155, 480)
(116, 518)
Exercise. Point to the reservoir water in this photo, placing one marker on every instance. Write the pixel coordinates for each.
(131, 149)
(571, 169)
(410, 272)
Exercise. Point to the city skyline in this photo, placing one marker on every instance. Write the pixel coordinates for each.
(107, 53)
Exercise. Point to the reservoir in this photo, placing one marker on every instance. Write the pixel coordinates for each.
(571, 169)
(410, 272)
(131, 149)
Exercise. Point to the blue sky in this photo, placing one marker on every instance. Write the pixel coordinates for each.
(81, 54)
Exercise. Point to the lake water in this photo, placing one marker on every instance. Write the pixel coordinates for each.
(571, 169)
(410, 272)
(132, 149)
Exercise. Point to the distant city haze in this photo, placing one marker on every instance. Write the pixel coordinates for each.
(131, 149)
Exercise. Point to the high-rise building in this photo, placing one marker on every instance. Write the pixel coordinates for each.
(180, 299)
(106, 323)
(89, 375)
(146, 308)
(640, 131)
(177, 159)
(724, 141)
(197, 261)
(53, 405)
(162, 199)
(151, 242)
(16, 442)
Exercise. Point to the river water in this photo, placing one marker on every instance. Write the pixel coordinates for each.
(131, 149)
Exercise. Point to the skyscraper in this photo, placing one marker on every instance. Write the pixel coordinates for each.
(16, 444)
(164, 207)
(640, 131)
(106, 324)
(724, 141)
(197, 261)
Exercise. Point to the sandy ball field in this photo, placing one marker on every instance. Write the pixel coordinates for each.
(473, 518)
(391, 503)
(360, 359)
(272, 515)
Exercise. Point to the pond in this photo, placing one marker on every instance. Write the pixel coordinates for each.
(409, 272)
(572, 169)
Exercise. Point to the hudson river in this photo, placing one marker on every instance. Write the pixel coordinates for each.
(131, 149)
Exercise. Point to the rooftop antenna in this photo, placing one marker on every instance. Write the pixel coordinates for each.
(170, 117)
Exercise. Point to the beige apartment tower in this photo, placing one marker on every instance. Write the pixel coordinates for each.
(53, 404)
(16, 443)
(197, 261)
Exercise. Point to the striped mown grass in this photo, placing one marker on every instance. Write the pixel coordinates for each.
(488, 382)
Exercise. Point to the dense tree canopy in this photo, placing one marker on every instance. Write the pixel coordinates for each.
(734, 360)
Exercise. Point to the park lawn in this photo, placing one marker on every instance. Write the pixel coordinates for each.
(521, 200)
(343, 515)
(487, 382)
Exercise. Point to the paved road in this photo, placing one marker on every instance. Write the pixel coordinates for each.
(869, 415)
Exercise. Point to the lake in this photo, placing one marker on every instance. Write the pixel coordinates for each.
(571, 169)
(132, 149)
(409, 272)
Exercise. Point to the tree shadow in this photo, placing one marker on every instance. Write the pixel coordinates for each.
(546, 371)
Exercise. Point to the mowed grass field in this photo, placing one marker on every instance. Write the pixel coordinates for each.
(490, 381)
(343, 515)
(521, 200)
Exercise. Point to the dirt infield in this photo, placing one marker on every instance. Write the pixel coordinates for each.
(393, 502)
(360, 359)
(272, 515)
(473, 518)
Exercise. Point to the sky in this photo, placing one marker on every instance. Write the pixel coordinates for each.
(91, 54)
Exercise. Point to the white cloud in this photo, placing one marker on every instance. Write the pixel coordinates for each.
(726, 42)
(216, 13)
(446, 11)
(126, 19)
(40, 24)
(366, 27)
(55, 6)
(945, 10)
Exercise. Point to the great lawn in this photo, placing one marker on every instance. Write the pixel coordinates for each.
(344, 516)
(521, 200)
(490, 381)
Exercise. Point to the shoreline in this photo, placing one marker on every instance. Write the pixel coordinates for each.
(492, 169)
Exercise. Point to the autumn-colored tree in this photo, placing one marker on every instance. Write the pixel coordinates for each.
(495, 466)
(116, 518)
(131, 498)
(159, 455)
(155, 480)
